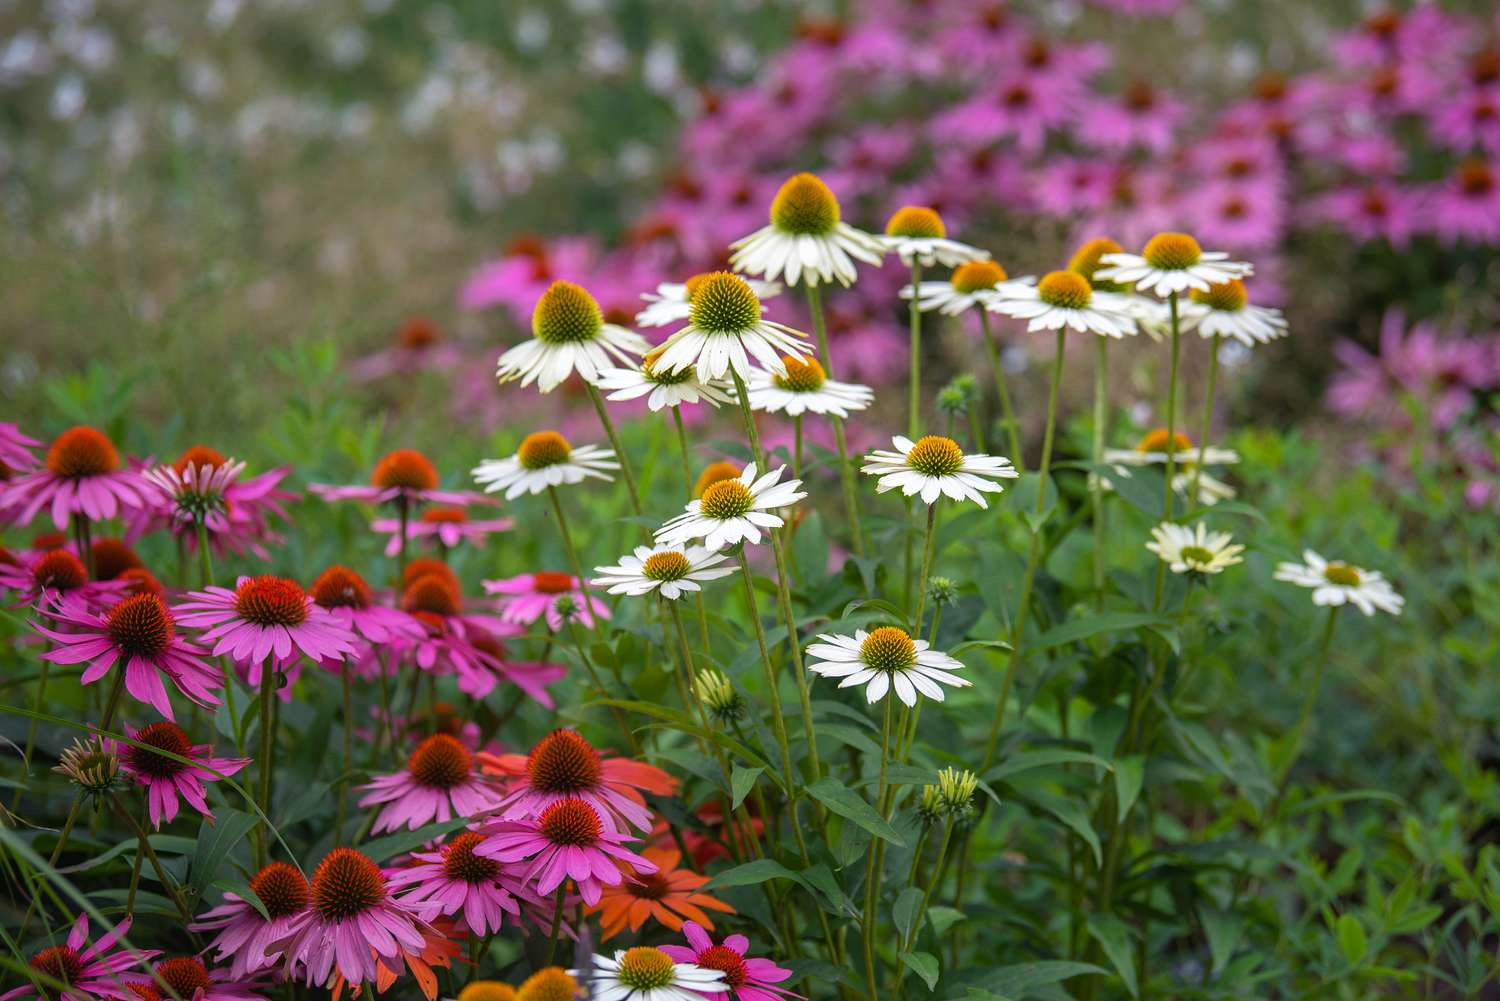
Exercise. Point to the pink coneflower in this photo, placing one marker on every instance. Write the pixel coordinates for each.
(1021, 107)
(569, 839)
(1466, 207)
(563, 765)
(479, 889)
(405, 476)
(82, 476)
(448, 526)
(15, 451)
(192, 981)
(90, 973)
(418, 346)
(1468, 121)
(57, 579)
(352, 922)
(140, 631)
(195, 492)
(468, 645)
(438, 783)
(249, 940)
(243, 508)
(519, 277)
(350, 603)
(1377, 210)
(748, 979)
(1141, 117)
(529, 596)
(165, 778)
(1233, 215)
(263, 618)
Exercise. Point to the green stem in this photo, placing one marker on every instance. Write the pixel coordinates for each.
(976, 427)
(403, 515)
(167, 885)
(1096, 482)
(552, 936)
(1309, 701)
(1012, 428)
(1208, 420)
(682, 446)
(1166, 510)
(588, 665)
(872, 867)
(572, 551)
(773, 692)
(205, 556)
(914, 373)
(338, 824)
(846, 471)
(267, 745)
(614, 442)
(928, 545)
(83, 542)
(1032, 558)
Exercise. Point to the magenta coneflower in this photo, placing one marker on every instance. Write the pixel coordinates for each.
(567, 840)
(417, 347)
(1466, 207)
(192, 981)
(265, 617)
(564, 765)
(352, 922)
(529, 596)
(348, 600)
(15, 451)
(57, 579)
(249, 940)
(456, 878)
(448, 526)
(166, 778)
(194, 491)
(404, 475)
(140, 631)
(747, 979)
(90, 973)
(82, 475)
(438, 783)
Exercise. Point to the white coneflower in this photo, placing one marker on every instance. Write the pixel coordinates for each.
(196, 491)
(917, 234)
(1171, 262)
(1337, 583)
(1224, 311)
(734, 510)
(886, 659)
(971, 284)
(935, 466)
(1151, 450)
(1194, 550)
(724, 330)
(568, 334)
(544, 459)
(805, 388)
(645, 973)
(672, 302)
(1064, 299)
(669, 570)
(664, 389)
(806, 240)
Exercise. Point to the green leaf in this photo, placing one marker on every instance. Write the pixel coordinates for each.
(1229, 507)
(1113, 936)
(1028, 760)
(241, 889)
(1351, 936)
(924, 965)
(215, 842)
(1130, 775)
(1073, 816)
(1223, 929)
(848, 804)
(943, 918)
(821, 878)
(752, 873)
(742, 780)
(810, 549)
(1094, 625)
(1016, 981)
(383, 848)
(848, 735)
(905, 910)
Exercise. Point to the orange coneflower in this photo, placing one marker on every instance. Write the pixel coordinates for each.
(669, 895)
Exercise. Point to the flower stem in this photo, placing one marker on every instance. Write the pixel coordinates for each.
(1096, 482)
(1033, 557)
(1166, 509)
(552, 936)
(588, 665)
(872, 866)
(267, 744)
(976, 427)
(403, 514)
(682, 446)
(1208, 420)
(846, 471)
(932, 881)
(167, 885)
(773, 692)
(572, 551)
(1012, 428)
(914, 370)
(338, 824)
(1309, 702)
(928, 545)
(82, 541)
(614, 442)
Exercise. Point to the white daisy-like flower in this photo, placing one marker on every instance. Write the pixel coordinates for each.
(1225, 311)
(972, 284)
(805, 388)
(917, 235)
(1064, 299)
(665, 389)
(1194, 550)
(1171, 262)
(670, 570)
(648, 974)
(884, 660)
(733, 510)
(806, 240)
(935, 466)
(672, 302)
(1151, 450)
(724, 330)
(568, 335)
(544, 459)
(1337, 583)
